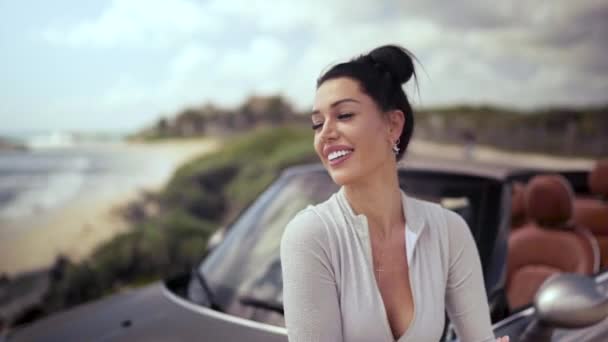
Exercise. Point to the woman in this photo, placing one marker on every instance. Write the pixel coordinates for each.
(372, 263)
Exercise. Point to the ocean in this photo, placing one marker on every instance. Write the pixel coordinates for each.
(57, 196)
(39, 180)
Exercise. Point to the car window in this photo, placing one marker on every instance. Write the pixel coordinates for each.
(247, 264)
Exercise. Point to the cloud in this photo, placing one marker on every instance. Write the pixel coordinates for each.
(515, 61)
(519, 53)
(161, 22)
(286, 16)
(198, 73)
(189, 58)
(127, 22)
(227, 76)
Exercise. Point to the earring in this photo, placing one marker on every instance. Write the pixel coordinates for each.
(396, 147)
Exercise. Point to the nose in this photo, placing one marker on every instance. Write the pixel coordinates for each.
(329, 131)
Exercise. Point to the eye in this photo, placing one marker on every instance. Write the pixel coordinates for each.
(340, 116)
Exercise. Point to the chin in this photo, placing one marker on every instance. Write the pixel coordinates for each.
(342, 176)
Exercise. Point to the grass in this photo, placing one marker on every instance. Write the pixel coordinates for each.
(203, 194)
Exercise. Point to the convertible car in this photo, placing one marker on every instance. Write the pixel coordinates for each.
(542, 265)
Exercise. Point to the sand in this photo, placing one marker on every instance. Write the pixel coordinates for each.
(76, 229)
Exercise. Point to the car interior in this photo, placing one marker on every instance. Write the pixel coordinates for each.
(591, 211)
(556, 226)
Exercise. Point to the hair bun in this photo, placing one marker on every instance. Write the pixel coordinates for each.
(395, 59)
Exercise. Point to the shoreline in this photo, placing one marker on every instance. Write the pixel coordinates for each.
(77, 228)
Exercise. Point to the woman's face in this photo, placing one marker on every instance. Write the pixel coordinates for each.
(351, 136)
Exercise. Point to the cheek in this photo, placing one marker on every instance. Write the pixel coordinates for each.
(316, 143)
(372, 134)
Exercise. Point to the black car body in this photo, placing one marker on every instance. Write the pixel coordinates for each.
(235, 294)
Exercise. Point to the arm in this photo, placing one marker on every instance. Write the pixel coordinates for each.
(466, 298)
(310, 296)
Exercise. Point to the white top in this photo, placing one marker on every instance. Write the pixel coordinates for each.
(330, 291)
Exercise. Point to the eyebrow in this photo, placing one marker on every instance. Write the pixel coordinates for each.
(336, 103)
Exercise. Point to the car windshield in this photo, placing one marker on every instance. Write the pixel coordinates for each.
(244, 270)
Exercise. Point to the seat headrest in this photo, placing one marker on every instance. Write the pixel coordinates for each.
(518, 204)
(549, 199)
(598, 178)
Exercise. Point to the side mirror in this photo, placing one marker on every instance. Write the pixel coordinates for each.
(570, 301)
(565, 300)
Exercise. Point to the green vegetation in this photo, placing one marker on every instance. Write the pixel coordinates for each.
(567, 131)
(210, 120)
(556, 131)
(229, 179)
(203, 195)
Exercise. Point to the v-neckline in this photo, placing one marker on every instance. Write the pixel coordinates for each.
(411, 217)
(387, 324)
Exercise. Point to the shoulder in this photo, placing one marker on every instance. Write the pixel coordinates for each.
(437, 215)
(457, 226)
(458, 233)
(306, 227)
(444, 225)
(433, 214)
(430, 208)
(305, 242)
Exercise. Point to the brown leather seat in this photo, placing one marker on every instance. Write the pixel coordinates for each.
(549, 242)
(518, 205)
(592, 211)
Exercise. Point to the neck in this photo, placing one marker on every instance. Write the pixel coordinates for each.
(378, 197)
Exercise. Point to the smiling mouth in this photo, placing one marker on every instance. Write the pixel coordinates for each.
(339, 156)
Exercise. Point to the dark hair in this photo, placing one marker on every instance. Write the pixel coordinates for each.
(381, 74)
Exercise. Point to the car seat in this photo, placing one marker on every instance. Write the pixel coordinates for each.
(549, 243)
(592, 211)
(518, 207)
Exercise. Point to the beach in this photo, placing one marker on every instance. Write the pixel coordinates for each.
(89, 216)
(72, 209)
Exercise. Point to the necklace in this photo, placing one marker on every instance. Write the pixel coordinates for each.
(379, 267)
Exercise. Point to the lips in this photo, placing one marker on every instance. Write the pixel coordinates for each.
(329, 149)
(337, 152)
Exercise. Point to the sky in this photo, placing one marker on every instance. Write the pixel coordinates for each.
(119, 65)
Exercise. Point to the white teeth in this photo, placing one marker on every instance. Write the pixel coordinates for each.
(338, 154)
